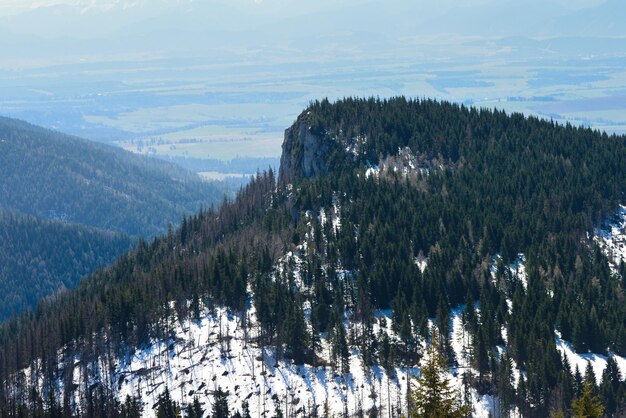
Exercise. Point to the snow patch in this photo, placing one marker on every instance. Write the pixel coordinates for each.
(517, 268)
(217, 351)
(597, 361)
(421, 262)
(611, 237)
(372, 171)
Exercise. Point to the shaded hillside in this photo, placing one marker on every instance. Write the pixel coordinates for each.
(38, 257)
(389, 216)
(56, 176)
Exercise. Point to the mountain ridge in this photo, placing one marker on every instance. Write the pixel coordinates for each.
(43, 170)
(69, 207)
(350, 271)
(41, 257)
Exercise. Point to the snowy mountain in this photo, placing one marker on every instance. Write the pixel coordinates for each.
(220, 351)
(394, 226)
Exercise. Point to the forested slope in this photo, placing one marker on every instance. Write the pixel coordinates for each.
(413, 206)
(56, 176)
(69, 206)
(37, 257)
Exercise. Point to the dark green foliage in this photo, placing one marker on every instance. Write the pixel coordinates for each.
(496, 184)
(52, 175)
(587, 405)
(504, 388)
(82, 202)
(194, 409)
(245, 413)
(131, 296)
(166, 407)
(339, 344)
(220, 404)
(431, 395)
(38, 257)
(612, 388)
(132, 408)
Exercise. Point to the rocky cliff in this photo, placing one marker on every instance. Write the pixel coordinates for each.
(304, 153)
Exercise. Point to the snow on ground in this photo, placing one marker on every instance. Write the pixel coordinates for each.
(421, 263)
(214, 352)
(404, 162)
(461, 341)
(334, 213)
(372, 171)
(611, 237)
(461, 344)
(517, 268)
(598, 361)
(218, 351)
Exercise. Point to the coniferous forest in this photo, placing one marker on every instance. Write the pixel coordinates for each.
(37, 257)
(61, 177)
(69, 206)
(482, 190)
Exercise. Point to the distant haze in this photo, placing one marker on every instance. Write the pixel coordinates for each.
(222, 78)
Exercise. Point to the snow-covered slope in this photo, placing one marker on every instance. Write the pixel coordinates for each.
(581, 360)
(216, 352)
(222, 349)
(611, 237)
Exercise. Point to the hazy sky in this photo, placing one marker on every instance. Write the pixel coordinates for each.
(108, 59)
(17, 6)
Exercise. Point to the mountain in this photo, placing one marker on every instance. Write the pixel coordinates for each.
(55, 176)
(69, 206)
(602, 20)
(38, 257)
(394, 225)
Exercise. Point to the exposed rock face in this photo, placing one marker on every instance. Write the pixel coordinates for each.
(304, 153)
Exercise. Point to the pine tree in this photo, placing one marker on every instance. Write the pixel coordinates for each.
(432, 395)
(245, 410)
(131, 408)
(340, 351)
(557, 414)
(194, 409)
(279, 412)
(587, 405)
(220, 404)
(504, 385)
(578, 381)
(590, 376)
(609, 388)
(166, 408)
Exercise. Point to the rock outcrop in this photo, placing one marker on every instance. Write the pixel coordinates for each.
(304, 153)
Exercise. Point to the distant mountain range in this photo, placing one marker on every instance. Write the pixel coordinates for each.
(55, 176)
(172, 28)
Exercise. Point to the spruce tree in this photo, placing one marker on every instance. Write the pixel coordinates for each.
(609, 388)
(194, 409)
(587, 405)
(131, 408)
(245, 413)
(504, 385)
(220, 404)
(166, 408)
(432, 395)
